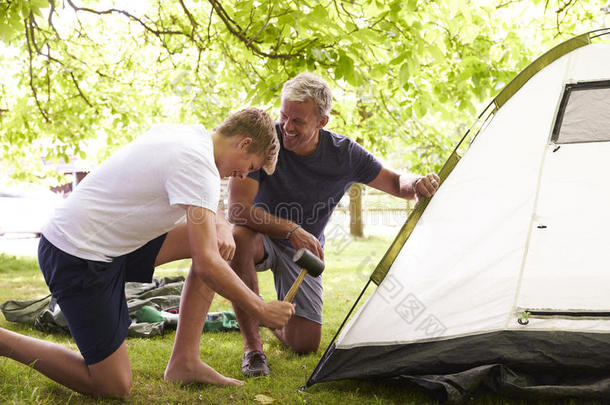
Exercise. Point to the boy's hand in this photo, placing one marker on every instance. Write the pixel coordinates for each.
(276, 313)
(226, 243)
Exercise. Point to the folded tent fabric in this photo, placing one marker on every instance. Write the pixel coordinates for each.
(156, 303)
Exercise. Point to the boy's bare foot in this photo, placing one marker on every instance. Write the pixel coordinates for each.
(196, 372)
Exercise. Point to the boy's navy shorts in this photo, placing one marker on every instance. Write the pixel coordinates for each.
(91, 294)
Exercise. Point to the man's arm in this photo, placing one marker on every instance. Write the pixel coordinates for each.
(214, 271)
(242, 211)
(403, 186)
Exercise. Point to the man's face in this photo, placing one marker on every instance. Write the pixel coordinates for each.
(240, 162)
(300, 126)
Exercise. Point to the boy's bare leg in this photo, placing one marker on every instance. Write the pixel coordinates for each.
(111, 376)
(185, 365)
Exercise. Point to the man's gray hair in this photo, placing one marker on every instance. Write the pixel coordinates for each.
(306, 86)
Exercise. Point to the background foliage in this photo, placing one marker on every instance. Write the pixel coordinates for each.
(81, 77)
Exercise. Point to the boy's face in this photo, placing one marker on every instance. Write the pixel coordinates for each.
(240, 162)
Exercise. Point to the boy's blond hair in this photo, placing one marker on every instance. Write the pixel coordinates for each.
(256, 124)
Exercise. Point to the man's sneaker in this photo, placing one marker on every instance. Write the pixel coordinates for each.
(254, 364)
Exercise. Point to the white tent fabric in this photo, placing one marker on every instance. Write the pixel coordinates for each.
(503, 279)
(518, 225)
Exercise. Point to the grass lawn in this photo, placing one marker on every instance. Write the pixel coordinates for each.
(347, 268)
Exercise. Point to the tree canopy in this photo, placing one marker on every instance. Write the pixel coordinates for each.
(82, 76)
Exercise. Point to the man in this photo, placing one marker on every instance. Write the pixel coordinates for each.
(274, 215)
(127, 217)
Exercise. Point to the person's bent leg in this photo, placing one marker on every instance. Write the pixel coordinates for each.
(303, 331)
(91, 296)
(184, 365)
(175, 246)
(248, 251)
(110, 377)
(300, 334)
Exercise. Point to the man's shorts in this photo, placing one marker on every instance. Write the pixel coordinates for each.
(91, 294)
(308, 299)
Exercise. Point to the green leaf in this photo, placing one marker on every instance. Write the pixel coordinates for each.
(419, 107)
(435, 52)
(379, 71)
(364, 35)
(16, 21)
(403, 75)
(346, 66)
(39, 4)
(6, 32)
(400, 58)
(318, 13)
(395, 6)
(25, 9)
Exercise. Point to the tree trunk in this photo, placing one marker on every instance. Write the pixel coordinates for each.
(356, 226)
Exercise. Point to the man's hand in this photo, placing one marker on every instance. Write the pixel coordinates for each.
(276, 313)
(226, 243)
(303, 239)
(426, 186)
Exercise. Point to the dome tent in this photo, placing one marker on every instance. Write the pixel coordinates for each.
(502, 278)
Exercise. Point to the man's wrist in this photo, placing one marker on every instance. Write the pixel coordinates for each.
(290, 232)
(415, 194)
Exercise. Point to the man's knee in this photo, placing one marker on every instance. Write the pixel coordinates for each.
(244, 237)
(304, 347)
(248, 244)
(302, 335)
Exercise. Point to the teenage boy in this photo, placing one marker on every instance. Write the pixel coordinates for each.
(127, 217)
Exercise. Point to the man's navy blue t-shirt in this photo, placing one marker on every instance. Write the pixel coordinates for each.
(306, 189)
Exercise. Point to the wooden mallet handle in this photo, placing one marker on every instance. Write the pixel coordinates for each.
(295, 286)
(309, 263)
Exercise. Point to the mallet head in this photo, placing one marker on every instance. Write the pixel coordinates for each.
(308, 261)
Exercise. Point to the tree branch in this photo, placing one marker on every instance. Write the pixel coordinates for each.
(31, 71)
(32, 25)
(50, 18)
(194, 23)
(263, 27)
(240, 34)
(79, 90)
(507, 3)
(156, 32)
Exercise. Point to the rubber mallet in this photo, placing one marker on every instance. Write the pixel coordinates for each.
(309, 264)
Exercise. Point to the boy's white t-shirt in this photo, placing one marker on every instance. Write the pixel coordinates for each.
(138, 194)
